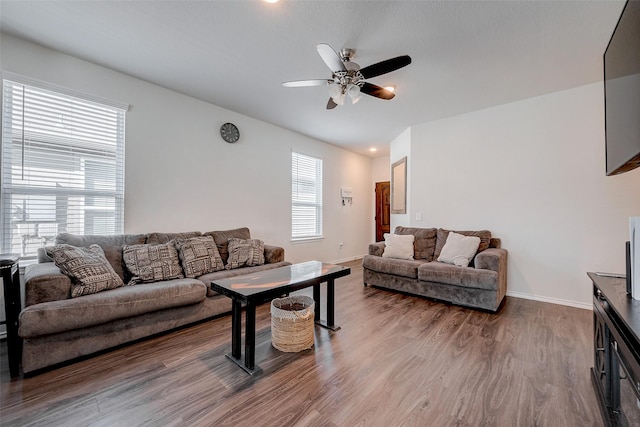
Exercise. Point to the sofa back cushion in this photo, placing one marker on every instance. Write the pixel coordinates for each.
(222, 239)
(111, 246)
(158, 238)
(484, 235)
(425, 241)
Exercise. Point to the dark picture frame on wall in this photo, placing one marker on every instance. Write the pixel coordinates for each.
(399, 187)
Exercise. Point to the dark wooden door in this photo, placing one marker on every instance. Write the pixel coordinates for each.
(383, 209)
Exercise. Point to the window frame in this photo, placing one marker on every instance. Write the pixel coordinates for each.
(296, 194)
(66, 146)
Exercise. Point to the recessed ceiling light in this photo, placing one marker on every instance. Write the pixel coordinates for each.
(373, 149)
(272, 1)
(390, 88)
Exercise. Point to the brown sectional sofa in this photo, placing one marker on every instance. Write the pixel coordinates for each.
(482, 285)
(56, 328)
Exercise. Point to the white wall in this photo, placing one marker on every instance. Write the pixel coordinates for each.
(180, 175)
(380, 172)
(401, 147)
(380, 169)
(532, 172)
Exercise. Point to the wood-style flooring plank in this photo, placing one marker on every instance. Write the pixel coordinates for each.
(398, 360)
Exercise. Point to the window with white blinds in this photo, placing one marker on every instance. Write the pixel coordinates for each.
(306, 197)
(62, 167)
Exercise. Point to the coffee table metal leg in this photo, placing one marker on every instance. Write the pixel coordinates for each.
(250, 336)
(330, 323)
(236, 328)
(316, 299)
(331, 297)
(248, 363)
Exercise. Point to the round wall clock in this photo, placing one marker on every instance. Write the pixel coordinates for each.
(229, 132)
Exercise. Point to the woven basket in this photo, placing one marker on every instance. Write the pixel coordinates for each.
(292, 323)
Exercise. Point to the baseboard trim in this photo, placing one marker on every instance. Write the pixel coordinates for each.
(558, 301)
(353, 258)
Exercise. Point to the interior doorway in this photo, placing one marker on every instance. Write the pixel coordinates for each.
(383, 209)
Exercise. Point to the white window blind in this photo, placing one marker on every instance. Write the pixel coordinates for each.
(62, 167)
(306, 197)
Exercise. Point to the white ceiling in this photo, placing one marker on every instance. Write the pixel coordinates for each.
(467, 55)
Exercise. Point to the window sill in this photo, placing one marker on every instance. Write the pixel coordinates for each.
(307, 240)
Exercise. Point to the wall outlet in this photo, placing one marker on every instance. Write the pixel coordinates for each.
(340, 245)
(418, 216)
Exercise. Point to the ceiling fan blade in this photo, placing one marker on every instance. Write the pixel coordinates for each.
(385, 66)
(304, 83)
(330, 57)
(377, 91)
(331, 105)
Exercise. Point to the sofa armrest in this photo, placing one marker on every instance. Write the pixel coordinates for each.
(44, 282)
(491, 259)
(273, 254)
(376, 248)
(495, 259)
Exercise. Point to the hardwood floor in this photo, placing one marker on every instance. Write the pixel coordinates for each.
(397, 361)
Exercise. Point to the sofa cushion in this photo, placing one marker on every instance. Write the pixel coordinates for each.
(484, 235)
(222, 239)
(157, 238)
(152, 263)
(397, 267)
(459, 250)
(198, 256)
(398, 246)
(225, 274)
(425, 241)
(65, 315)
(245, 253)
(88, 268)
(111, 245)
(469, 277)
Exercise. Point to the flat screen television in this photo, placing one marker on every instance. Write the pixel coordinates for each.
(622, 92)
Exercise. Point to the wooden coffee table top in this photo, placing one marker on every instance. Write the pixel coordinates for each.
(274, 282)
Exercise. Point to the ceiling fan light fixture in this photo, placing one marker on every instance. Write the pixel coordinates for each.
(335, 90)
(354, 93)
(339, 99)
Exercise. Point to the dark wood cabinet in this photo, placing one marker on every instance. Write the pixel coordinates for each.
(616, 347)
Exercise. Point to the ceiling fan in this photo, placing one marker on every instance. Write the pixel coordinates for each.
(348, 78)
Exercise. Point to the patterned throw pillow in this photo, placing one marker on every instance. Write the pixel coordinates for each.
(88, 268)
(245, 253)
(199, 255)
(152, 263)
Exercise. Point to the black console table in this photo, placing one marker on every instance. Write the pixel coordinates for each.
(616, 338)
(12, 306)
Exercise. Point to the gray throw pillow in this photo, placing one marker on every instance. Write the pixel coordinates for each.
(199, 255)
(88, 268)
(245, 253)
(152, 263)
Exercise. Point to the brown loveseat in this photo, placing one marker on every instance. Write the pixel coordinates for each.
(482, 285)
(56, 327)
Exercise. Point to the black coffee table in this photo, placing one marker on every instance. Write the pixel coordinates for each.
(251, 290)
